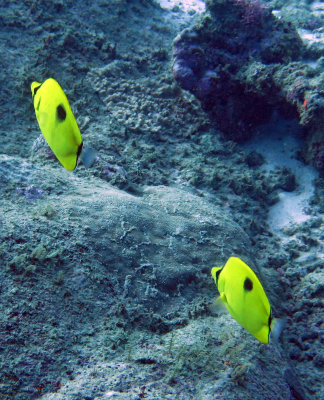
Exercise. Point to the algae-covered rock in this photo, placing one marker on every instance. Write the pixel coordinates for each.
(123, 281)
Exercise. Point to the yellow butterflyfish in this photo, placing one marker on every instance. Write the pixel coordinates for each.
(57, 123)
(244, 297)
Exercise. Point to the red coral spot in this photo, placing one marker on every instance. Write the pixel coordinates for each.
(305, 104)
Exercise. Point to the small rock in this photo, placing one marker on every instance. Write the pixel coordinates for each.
(287, 181)
(254, 159)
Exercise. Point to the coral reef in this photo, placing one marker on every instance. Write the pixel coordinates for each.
(242, 62)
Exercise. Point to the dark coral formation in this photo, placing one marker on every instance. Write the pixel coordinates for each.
(243, 63)
(212, 61)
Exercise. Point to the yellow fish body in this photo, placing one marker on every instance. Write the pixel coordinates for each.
(57, 122)
(244, 297)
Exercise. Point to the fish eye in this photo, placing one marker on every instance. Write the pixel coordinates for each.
(248, 285)
(61, 113)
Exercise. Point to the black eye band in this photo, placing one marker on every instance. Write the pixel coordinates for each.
(35, 90)
(217, 274)
(79, 150)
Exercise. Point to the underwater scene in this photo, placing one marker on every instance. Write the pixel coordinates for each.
(162, 199)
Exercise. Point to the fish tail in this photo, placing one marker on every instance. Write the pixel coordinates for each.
(88, 156)
(218, 306)
(277, 326)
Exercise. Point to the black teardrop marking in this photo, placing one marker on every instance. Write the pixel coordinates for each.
(248, 285)
(61, 113)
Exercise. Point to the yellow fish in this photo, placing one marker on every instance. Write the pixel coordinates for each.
(58, 125)
(244, 297)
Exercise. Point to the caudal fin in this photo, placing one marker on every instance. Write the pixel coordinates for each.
(219, 305)
(88, 156)
(277, 326)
